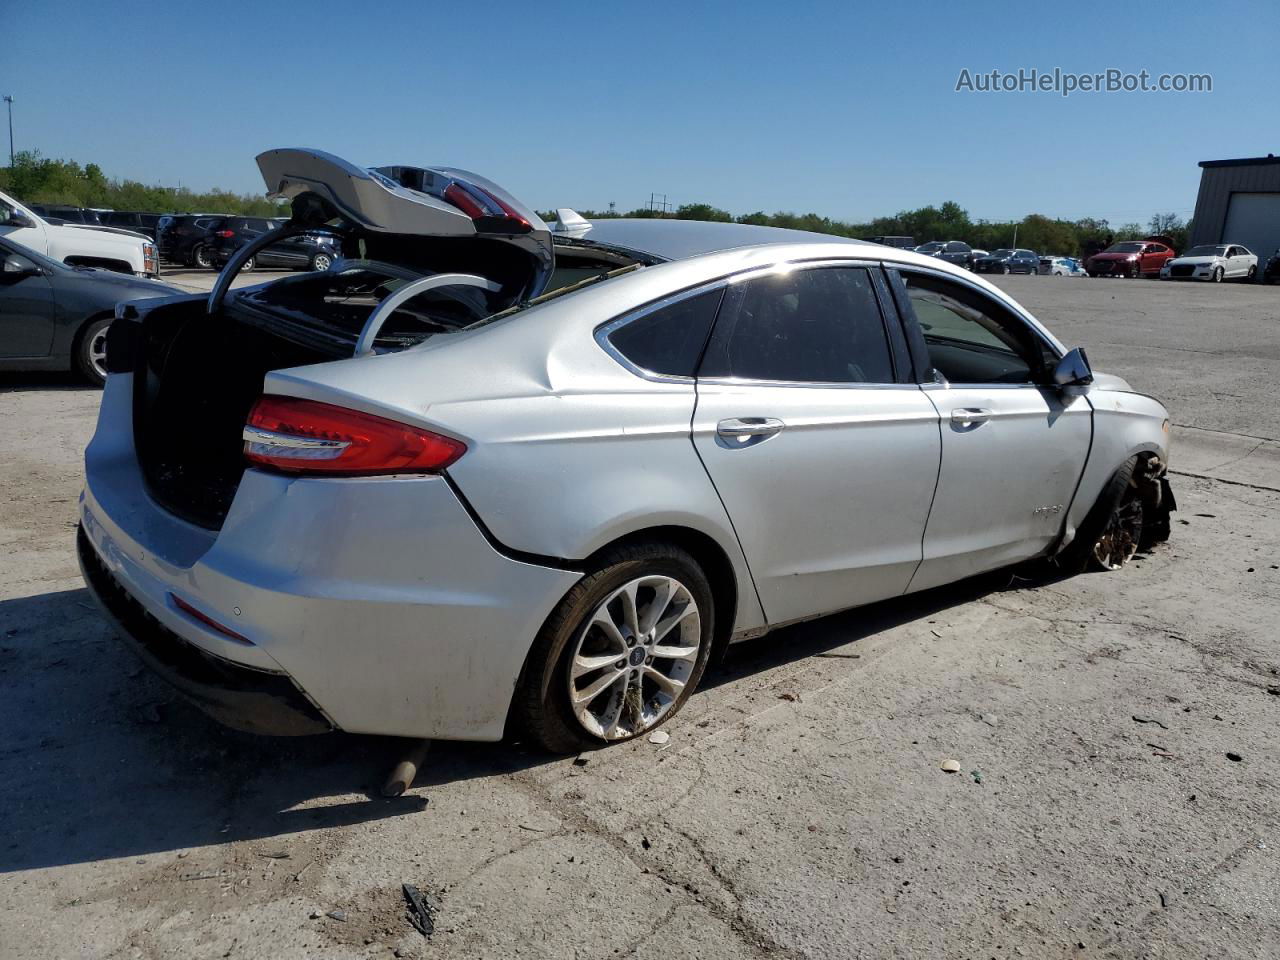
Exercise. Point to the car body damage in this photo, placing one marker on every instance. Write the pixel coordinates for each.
(547, 499)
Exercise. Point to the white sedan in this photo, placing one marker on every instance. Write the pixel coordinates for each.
(1216, 262)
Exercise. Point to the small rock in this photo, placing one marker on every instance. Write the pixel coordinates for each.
(339, 915)
(1234, 757)
(990, 719)
(316, 914)
(951, 766)
(659, 737)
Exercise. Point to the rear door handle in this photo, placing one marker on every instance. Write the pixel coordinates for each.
(749, 427)
(964, 415)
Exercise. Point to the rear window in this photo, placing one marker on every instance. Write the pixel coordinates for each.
(669, 340)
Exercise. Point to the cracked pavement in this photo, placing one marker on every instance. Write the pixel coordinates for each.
(799, 809)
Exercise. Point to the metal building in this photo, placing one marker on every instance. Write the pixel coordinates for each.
(1239, 202)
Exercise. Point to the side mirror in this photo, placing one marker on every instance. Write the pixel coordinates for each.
(15, 217)
(15, 269)
(1073, 370)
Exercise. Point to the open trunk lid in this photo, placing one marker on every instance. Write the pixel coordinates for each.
(406, 212)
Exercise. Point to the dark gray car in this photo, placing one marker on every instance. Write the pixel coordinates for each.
(55, 317)
(1006, 260)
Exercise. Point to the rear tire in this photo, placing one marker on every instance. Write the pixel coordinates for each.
(321, 262)
(248, 265)
(91, 351)
(200, 257)
(576, 651)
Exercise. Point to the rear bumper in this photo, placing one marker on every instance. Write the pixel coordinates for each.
(378, 600)
(256, 701)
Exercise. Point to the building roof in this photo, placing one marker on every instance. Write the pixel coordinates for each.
(1242, 162)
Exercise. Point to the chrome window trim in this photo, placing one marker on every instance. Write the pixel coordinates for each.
(804, 384)
(603, 331)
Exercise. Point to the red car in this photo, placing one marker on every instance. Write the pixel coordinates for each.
(1132, 258)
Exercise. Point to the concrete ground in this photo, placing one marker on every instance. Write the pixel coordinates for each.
(1117, 793)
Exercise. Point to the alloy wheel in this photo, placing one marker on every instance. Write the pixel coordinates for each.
(97, 352)
(634, 657)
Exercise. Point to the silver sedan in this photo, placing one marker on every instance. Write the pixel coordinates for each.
(486, 475)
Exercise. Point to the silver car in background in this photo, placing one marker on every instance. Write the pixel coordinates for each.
(483, 475)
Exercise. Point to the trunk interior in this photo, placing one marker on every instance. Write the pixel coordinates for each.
(196, 378)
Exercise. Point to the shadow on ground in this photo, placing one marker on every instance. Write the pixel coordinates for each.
(101, 759)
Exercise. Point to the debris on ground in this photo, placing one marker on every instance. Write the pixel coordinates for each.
(207, 874)
(580, 760)
(340, 915)
(659, 737)
(1138, 719)
(977, 776)
(990, 719)
(1234, 757)
(951, 766)
(274, 854)
(422, 910)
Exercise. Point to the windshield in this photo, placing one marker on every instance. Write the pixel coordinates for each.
(929, 247)
(1132, 246)
(1206, 251)
(1000, 253)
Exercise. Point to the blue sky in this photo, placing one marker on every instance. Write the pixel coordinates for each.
(847, 109)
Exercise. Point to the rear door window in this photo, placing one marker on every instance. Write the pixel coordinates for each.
(821, 325)
(668, 340)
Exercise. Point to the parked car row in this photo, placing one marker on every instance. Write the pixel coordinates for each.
(206, 240)
(1150, 257)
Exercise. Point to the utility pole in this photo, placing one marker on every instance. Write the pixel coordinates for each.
(1015, 236)
(661, 207)
(8, 99)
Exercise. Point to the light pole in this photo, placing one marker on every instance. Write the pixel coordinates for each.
(9, 101)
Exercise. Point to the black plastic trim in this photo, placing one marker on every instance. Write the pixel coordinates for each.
(237, 696)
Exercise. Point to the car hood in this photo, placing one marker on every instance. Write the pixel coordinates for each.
(1194, 261)
(1114, 256)
(1109, 381)
(101, 234)
(123, 286)
(121, 231)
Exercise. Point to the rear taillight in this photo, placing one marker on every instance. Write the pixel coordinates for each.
(489, 213)
(304, 436)
(224, 234)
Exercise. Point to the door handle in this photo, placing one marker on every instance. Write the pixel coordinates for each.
(965, 415)
(749, 427)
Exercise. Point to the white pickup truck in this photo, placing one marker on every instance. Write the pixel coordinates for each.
(106, 247)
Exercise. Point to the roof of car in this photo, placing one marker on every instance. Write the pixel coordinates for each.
(681, 239)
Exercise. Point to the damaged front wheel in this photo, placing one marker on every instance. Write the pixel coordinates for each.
(1131, 513)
